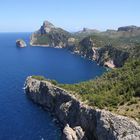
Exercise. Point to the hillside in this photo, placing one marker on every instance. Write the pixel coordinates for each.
(78, 120)
(117, 90)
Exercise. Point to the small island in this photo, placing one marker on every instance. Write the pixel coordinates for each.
(21, 43)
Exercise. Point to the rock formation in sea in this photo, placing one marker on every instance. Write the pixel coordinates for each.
(21, 43)
(80, 121)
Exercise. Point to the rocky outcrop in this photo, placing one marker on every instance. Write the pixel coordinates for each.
(50, 35)
(109, 64)
(69, 133)
(129, 28)
(85, 48)
(106, 56)
(20, 43)
(80, 122)
(109, 54)
(46, 28)
(73, 134)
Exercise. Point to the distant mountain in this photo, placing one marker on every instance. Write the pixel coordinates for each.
(86, 32)
(131, 28)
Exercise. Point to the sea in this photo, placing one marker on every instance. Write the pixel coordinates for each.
(20, 118)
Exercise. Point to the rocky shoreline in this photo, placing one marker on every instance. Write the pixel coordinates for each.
(80, 122)
(40, 45)
(97, 56)
(37, 45)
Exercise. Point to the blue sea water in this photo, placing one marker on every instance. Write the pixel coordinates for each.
(20, 119)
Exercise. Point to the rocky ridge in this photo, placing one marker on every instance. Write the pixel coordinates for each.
(80, 122)
(129, 28)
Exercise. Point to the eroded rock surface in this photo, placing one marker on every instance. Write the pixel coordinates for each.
(83, 121)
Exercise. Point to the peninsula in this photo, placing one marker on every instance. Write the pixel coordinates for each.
(80, 121)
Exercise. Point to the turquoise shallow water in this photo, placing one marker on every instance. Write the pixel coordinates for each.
(20, 119)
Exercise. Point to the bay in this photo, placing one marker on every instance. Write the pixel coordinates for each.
(20, 119)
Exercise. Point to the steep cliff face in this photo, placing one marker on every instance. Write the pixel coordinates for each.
(49, 35)
(80, 122)
(84, 48)
(46, 28)
(112, 55)
(104, 55)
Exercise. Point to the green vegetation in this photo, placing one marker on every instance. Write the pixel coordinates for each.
(119, 87)
(42, 40)
(120, 42)
(117, 90)
(42, 78)
(113, 88)
(54, 37)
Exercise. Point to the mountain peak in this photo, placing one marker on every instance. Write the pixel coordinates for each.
(46, 27)
(48, 24)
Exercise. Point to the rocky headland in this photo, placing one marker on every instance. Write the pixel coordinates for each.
(110, 48)
(21, 43)
(80, 121)
(49, 35)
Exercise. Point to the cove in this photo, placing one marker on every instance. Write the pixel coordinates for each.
(19, 118)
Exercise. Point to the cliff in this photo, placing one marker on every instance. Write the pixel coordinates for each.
(80, 122)
(49, 35)
(91, 48)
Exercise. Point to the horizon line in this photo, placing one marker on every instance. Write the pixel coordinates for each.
(71, 31)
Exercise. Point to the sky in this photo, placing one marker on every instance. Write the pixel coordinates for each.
(72, 15)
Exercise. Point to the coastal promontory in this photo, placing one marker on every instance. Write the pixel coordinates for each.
(80, 121)
(50, 35)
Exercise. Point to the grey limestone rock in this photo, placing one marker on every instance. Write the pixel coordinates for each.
(20, 43)
(75, 133)
(84, 121)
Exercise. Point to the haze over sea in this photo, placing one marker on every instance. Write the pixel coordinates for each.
(19, 118)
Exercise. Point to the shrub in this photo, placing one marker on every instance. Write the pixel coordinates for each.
(41, 78)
